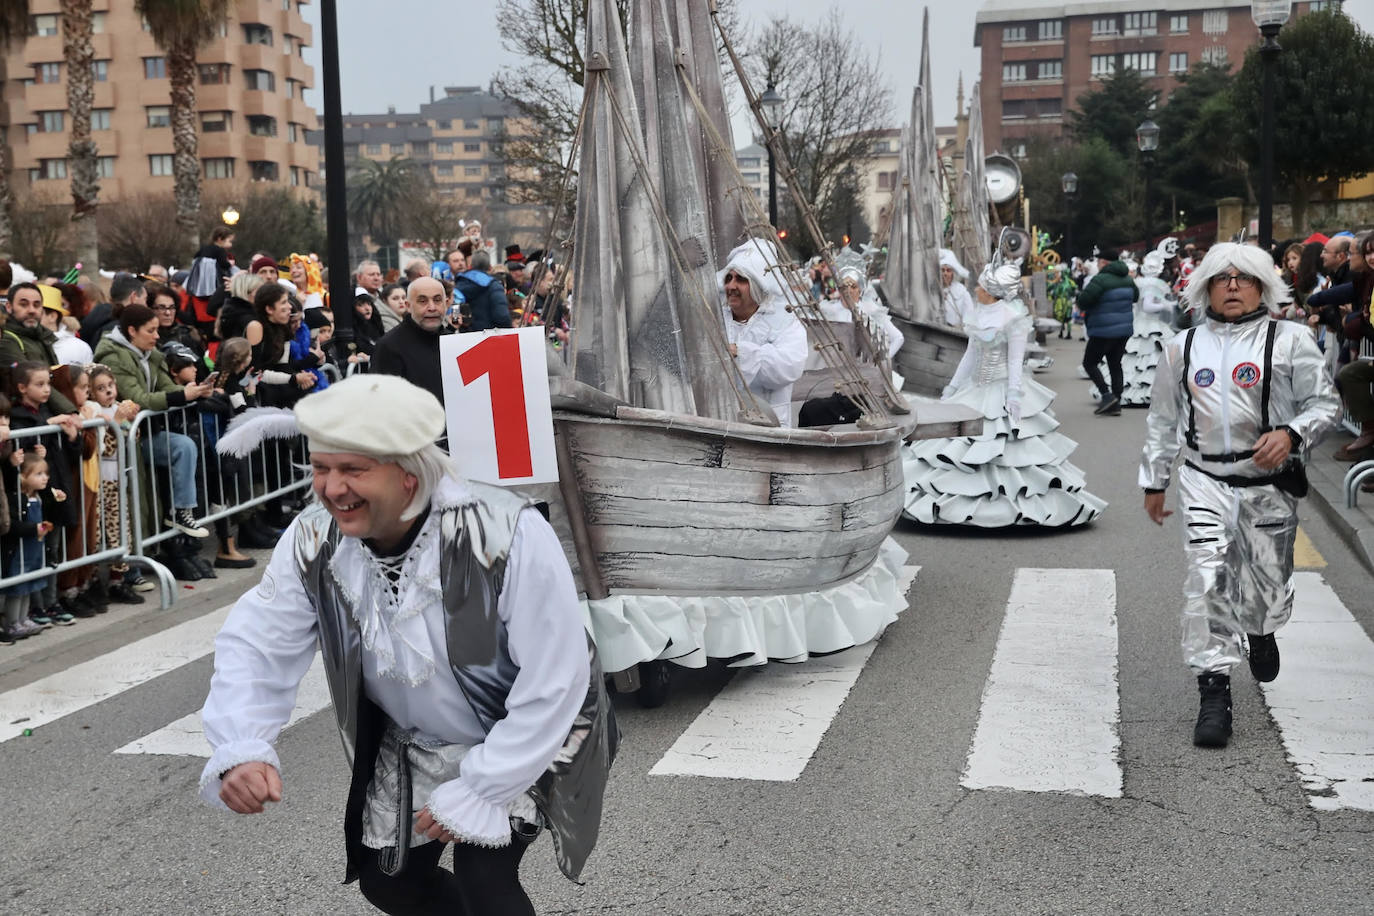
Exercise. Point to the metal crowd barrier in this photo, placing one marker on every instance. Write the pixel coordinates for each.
(1349, 422)
(94, 544)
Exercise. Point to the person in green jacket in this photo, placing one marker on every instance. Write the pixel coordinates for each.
(141, 375)
(26, 340)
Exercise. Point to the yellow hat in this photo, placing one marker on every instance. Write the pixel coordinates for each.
(52, 299)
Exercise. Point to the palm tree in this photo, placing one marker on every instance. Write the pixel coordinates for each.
(78, 53)
(181, 28)
(14, 21)
(378, 193)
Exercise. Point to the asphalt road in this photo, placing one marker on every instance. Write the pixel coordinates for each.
(877, 823)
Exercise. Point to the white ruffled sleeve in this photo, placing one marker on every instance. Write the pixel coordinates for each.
(548, 641)
(261, 654)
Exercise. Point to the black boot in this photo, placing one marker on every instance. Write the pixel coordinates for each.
(1214, 713)
(1264, 657)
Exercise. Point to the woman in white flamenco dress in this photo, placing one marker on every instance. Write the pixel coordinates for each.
(1016, 472)
(1152, 329)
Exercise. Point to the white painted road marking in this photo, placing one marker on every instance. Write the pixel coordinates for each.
(186, 737)
(767, 723)
(1323, 700)
(1051, 707)
(72, 690)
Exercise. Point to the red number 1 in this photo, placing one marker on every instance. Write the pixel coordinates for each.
(498, 358)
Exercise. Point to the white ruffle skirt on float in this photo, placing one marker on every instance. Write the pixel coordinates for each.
(753, 629)
(1005, 476)
(1138, 363)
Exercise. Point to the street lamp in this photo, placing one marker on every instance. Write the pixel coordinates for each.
(1270, 16)
(1147, 141)
(771, 103)
(1069, 182)
(230, 216)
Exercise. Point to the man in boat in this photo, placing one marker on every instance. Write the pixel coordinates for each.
(467, 692)
(767, 341)
(957, 300)
(1244, 398)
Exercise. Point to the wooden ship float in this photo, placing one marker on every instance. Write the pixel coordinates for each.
(698, 526)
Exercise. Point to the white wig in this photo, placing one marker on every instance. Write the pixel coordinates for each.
(757, 260)
(947, 259)
(1247, 259)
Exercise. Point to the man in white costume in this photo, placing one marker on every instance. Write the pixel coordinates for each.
(954, 293)
(466, 689)
(768, 342)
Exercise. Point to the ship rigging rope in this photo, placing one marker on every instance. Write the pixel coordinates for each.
(560, 277)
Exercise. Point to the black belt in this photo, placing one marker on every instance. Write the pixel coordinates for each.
(1291, 480)
(1228, 457)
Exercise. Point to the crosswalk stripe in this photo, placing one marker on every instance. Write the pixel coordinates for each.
(767, 723)
(1051, 709)
(72, 690)
(185, 736)
(1323, 698)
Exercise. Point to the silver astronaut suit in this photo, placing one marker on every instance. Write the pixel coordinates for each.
(1242, 378)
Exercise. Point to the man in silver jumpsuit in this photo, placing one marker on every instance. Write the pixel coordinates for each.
(1244, 398)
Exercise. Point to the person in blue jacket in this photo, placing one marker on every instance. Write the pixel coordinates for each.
(1108, 306)
(485, 295)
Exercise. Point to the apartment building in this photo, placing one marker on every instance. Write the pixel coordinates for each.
(1038, 58)
(457, 138)
(250, 98)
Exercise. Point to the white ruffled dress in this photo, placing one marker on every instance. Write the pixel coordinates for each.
(1014, 472)
(1152, 330)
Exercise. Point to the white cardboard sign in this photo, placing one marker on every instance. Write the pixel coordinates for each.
(496, 395)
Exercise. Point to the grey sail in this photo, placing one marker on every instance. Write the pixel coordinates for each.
(972, 233)
(628, 336)
(899, 279)
(926, 299)
(676, 156)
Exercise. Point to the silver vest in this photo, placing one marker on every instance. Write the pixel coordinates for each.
(569, 793)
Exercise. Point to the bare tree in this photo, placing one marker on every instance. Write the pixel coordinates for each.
(434, 222)
(834, 100)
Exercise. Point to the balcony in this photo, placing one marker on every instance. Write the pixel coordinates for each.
(48, 146)
(40, 50)
(46, 97)
(260, 57)
(216, 145)
(297, 110)
(217, 96)
(264, 149)
(298, 69)
(259, 102)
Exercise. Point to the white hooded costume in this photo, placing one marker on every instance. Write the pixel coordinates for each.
(771, 345)
(957, 300)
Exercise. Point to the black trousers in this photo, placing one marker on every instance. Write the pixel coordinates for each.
(484, 882)
(1113, 348)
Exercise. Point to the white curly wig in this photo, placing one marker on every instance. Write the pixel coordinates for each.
(1245, 258)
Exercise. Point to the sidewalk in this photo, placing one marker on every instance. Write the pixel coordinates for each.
(60, 647)
(1327, 477)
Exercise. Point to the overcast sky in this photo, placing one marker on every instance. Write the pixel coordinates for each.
(421, 43)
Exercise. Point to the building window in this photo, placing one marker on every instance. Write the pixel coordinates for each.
(1142, 62)
(397, 149)
(472, 147)
(104, 166)
(261, 80)
(155, 68)
(472, 170)
(1215, 54)
(293, 131)
(214, 74)
(257, 34)
(445, 170)
(1317, 6)
(160, 166)
(444, 147)
(159, 115)
(1214, 22)
(262, 171)
(100, 70)
(471, 125)
(1105, 26)
(47, 73)
(1012, 33)
(495, 125)
(1103, 64)
(51, 122)
(295, 89)
(262, 125)
(1051, 29)
(219, 168)
(98, 24)
(51, 169)
(1178, 25)
(215, 122)
(1013, 73)
(1141, 23)
(1178, 62)
(1050, 70)
(374, 149)
(43, 26)
(295, 176)
(1048, 108)
(100, 119)
(1017, 148)
(1013, 109)
(419, 148)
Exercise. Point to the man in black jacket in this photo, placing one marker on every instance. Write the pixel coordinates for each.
(411, 349)
(125, 290)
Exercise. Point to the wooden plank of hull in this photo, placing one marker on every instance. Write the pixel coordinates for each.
(673, 573)
(649, 512)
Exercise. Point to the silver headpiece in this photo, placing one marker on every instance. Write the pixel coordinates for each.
(850, 263)
(1002, 276)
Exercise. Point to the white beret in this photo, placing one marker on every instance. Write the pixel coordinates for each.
(371, 415)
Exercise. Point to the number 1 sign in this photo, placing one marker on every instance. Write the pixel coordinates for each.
(496, 394)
